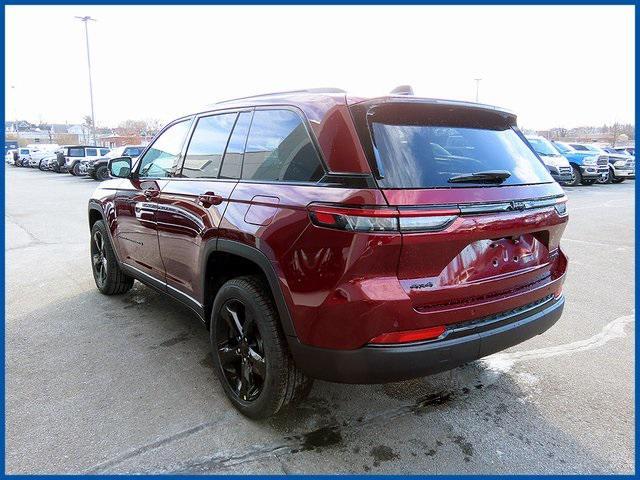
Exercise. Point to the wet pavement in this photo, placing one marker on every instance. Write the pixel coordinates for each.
(125, 384)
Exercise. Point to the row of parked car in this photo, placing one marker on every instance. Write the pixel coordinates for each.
(585, 163)
(77, 160)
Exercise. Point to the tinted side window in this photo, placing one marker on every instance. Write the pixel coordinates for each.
(209, 139)
(91, 152)
(76, 152)
(232, 164)
(162, 158)
(280, 149)
(104, 151)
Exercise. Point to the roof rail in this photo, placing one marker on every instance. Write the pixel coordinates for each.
(307, 90)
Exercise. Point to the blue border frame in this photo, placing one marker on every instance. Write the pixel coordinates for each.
(326, 2)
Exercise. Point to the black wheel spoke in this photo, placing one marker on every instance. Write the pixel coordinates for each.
(246, 381)
(248, 324)
(257, 362)
(232, 319)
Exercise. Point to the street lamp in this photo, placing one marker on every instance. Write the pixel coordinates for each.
(86, 20)
(477, 87)
(15, 112)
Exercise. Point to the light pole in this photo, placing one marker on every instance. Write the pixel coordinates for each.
(86, 20)
(477, 87)
(15, 111)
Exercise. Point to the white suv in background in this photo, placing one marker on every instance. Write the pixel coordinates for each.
(76, 154)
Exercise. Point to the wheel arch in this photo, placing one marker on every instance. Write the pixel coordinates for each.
(96, 212)
(248, 260)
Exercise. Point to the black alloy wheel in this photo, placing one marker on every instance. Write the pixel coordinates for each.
(241, 351)
(99, 258)
(102, 173)
(250, 353)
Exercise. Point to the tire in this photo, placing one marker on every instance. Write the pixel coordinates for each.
(618, 179)
(254, 367)
(588, 182)
(109, 277)
(41, 166)
(101, 173)
(607, 179)
(24, 163)
(576, 177)
(75, 170)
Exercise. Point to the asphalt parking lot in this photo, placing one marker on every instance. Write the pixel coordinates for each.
(125, 384)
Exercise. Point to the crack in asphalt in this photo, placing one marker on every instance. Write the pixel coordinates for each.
(100, 467)
(326, 436)
(34, 240)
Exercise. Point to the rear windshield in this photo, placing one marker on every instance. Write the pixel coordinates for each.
(415, 145)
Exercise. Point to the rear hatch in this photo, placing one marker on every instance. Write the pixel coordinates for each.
(482, 216)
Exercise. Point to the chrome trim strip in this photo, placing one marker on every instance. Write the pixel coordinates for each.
(190, 298)
(184, 295)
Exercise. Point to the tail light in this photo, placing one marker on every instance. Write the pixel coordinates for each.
(409, 336)
(372, 219)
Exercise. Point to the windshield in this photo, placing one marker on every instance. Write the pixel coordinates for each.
(543, 146)
(425, 156)
(133, 151)
(563, 147)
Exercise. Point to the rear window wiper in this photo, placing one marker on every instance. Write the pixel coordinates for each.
(489, 176)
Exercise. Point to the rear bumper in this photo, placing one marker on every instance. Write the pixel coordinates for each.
(463, 343)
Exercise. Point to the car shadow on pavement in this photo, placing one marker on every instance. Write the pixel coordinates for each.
(126, 384)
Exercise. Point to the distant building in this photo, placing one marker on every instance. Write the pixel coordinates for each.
(113, 141)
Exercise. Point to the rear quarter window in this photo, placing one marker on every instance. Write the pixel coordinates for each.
(279, 148)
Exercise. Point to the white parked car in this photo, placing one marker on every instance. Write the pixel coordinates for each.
(39, 152)
(557, 164)
(10, 156)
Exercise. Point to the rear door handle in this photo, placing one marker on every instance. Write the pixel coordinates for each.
(208, 199)
(151, 192)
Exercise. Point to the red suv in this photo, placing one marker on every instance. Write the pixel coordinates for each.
(322, 235)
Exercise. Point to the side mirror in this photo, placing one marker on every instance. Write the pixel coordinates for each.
(120, 167)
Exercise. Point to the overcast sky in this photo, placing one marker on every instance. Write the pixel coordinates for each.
(552, 65)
